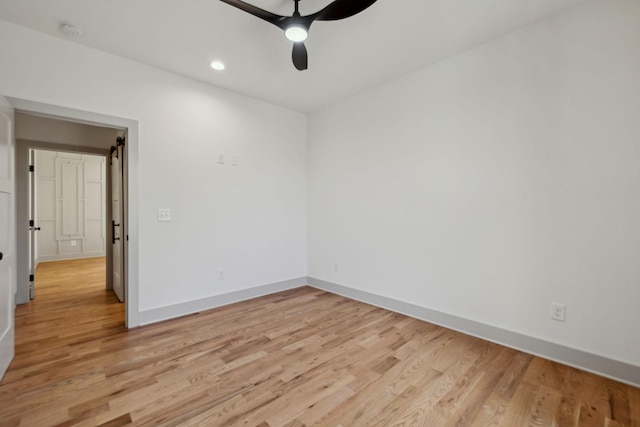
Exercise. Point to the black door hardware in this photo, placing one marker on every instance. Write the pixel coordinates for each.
(113, 232)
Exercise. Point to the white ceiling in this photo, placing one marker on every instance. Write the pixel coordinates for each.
(390, 39)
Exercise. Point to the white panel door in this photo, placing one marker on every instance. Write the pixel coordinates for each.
(116, 225)
(7, 236)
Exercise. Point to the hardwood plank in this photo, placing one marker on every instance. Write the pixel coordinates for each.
(634, 406)
(519, 408)
(296, 358)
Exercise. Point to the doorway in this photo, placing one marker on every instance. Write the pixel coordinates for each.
(68, 195)
(62, 118)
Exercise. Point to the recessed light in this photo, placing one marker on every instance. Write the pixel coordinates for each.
(217, 65)
(71, 30)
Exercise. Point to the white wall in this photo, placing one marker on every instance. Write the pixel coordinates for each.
(70, 207)
(248, 219)
(496, 182)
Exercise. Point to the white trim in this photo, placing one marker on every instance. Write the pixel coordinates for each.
(606, 367)
(190, 307)
(69, 257)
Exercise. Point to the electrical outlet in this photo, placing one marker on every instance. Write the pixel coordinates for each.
(558, 312)
(336, 267)
(234, 160)
(74, 243)
(221, 274)
(221, 158)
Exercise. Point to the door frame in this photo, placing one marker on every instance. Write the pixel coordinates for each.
(132, 313)
(9, 255)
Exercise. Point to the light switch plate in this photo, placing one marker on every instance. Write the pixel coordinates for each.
(164, 215)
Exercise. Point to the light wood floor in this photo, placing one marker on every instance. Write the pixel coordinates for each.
(297, 358)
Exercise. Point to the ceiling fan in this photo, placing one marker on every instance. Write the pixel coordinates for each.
(296, 27)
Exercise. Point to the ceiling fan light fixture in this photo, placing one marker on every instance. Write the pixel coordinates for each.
(296, 33)
(296, 27)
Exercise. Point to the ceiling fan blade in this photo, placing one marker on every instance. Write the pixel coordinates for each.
(256, 11)
(341, 9)
(300, 57)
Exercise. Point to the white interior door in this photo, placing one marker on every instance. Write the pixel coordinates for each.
(116, 224)
(7, 236)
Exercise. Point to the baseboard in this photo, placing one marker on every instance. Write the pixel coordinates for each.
(7, 350)
(49, 258)
(190, 307)
(610, 368)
